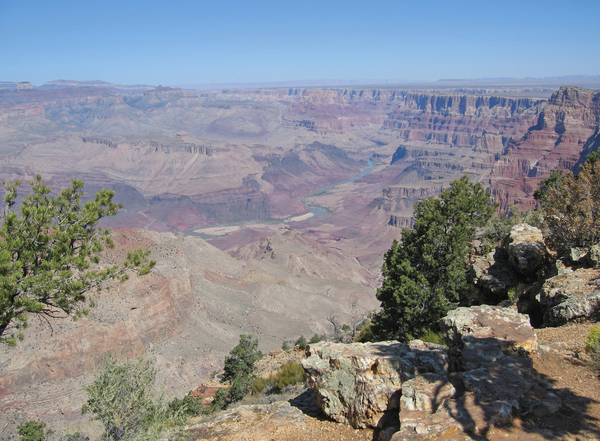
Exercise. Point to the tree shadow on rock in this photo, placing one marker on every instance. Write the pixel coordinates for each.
(307, 403)
(574, 417)
(505, 395)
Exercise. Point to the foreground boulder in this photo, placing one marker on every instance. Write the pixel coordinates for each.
(570, 296)
(493, 274)
(526, 249)
(491, 326)
(489, 346)
(357, 383)
(518, 261)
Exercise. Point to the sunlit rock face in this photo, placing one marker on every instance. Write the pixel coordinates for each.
(357, 383)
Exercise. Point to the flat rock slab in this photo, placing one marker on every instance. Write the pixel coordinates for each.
(466, 414)
(490, 327)
(426, 392)
(251, 421)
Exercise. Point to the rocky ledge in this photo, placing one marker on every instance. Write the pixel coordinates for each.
(426, 391)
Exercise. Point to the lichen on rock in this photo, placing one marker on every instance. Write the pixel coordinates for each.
(357, 383)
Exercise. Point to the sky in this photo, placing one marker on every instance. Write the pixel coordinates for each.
(181, 42)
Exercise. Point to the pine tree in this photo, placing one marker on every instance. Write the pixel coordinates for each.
(425, 275)
(49, 253)
(241, 359)
(571, 207)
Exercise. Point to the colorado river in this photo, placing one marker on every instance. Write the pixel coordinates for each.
(319, 211)
(224, 229)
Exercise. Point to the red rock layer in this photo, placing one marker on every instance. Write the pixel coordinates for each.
(566, 131)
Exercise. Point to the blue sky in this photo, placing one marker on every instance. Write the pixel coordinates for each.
(227, 41)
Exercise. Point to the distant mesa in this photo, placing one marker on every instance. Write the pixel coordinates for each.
(118, 88)
(163, 93)
(25, 85)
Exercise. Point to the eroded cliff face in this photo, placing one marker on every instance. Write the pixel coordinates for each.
(461, 120)
(565, 132)
(429, 139)
(500, 142)
(455, 119)
(183, 160)
(238, 155)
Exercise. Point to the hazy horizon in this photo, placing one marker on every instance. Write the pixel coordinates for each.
(586, 81)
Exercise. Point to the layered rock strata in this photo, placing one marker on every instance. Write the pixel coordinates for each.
(565, 132)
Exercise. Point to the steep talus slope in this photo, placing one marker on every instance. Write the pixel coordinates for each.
(303, 256)
(188, 313)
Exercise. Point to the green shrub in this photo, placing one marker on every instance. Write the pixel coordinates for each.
(240, 387)
(122, 399)
(592, 345)
(365, 335)
(33, 431)
(189, 406)
(500, 224)
(571, 204)
(289, 374)
(285, 346)
(301, 342)
(515, 293)
(259, 385)
(592, 342)
(316, 339)
(220, 400)
(433, 337)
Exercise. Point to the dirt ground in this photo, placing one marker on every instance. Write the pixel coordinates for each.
(563, 362)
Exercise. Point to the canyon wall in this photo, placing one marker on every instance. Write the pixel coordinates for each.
(565, 132)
